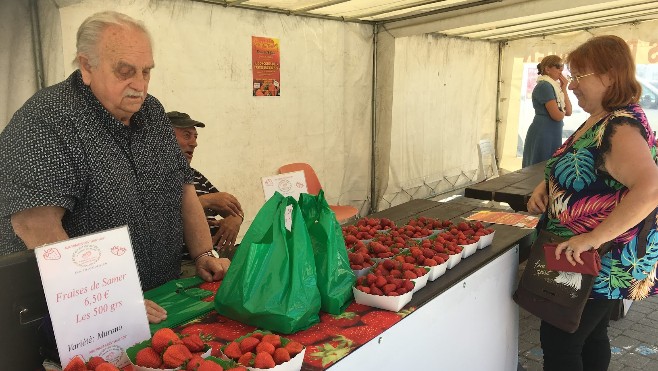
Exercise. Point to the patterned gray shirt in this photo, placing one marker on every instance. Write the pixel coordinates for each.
(63, 148)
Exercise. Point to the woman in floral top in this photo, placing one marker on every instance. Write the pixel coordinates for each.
(600, 186)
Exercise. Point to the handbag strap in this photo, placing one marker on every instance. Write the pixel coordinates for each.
(642, 236)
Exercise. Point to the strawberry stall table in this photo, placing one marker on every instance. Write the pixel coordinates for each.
(465, 320)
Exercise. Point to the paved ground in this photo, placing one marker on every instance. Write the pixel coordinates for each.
(634, 339)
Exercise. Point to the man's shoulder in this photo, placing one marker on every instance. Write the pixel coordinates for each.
(51, 101)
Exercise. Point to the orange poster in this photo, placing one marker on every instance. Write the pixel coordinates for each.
(265, 66)
(501, 217)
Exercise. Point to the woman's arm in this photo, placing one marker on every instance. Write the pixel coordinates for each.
(629, 161)
(554, 111)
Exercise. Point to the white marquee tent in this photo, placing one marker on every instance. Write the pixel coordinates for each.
(387, 100)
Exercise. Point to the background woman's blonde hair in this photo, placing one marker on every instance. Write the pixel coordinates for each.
(548, 61)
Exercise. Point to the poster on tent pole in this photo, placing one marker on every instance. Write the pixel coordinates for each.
(265, 66)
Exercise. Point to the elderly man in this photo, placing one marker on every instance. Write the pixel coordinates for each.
(215, 203)
(95, 152)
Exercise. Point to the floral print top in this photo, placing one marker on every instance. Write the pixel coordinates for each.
(582, 194)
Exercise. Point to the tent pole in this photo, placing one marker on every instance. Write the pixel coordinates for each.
(501, 45)
(36, 44)
(373, 123)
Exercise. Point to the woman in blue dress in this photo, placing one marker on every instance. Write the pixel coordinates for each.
(551, 104)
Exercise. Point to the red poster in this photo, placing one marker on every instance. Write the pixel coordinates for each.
(265, 65)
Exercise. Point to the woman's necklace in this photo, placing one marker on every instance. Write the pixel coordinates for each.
(591, 121)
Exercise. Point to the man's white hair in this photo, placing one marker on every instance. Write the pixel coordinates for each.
(90, 31)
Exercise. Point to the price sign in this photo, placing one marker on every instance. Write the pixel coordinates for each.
(288, 184)
(94, 296)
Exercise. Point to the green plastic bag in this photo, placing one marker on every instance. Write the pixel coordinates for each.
(271, 282)
(335, 276)
(182, 300)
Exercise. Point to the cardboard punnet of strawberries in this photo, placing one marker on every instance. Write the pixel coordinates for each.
(258, 350)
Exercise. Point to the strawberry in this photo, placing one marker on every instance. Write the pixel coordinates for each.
(345, 319)
(358, 308)
(324, 355)
(294, 348)
(193, 342)
(107, 366)
(264, 360)
(210, 366)
(246, 359)
(381, 319)
(272, 339)
(194, 363)
(163, 338)
(210, 286)
(94, 361)
(233, 350)
(216, 350)
(148, 357)
(281, 355)
(175, 355)
(265, 347)
(249, 344)
(311, 335)
(361, 334)
(257, 335)
(76, 364)
(220, 327)
(239, 368)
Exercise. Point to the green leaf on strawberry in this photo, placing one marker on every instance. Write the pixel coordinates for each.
(329, 353)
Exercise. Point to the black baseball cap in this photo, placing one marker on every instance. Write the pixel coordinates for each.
(183, 120)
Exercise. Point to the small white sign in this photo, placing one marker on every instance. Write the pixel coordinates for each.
(288, 184)
(94, 296)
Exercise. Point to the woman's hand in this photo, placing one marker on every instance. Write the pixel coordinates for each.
(575, 246)
(563, 83)
(538, 200)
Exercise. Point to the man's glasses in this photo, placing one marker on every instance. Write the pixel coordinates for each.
(577, 78)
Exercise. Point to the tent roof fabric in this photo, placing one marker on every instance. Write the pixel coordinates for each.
(491, 20)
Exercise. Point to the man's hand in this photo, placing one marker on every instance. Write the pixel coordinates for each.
(224, 203)
(228, 231)
(154, 312)
(212, 269)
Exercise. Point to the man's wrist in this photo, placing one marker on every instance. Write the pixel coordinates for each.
(210, 253)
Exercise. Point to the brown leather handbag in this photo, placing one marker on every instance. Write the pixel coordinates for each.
(556, 297)
(560, 297)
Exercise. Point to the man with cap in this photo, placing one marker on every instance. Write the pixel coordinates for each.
(214, 202)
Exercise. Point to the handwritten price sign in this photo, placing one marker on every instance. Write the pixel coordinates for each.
(94, 296)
